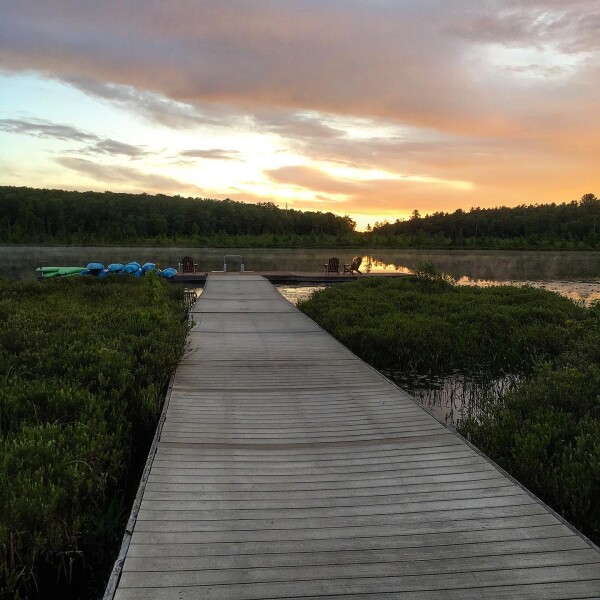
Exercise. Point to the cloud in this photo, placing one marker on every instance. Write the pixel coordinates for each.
(295, 126)
(213, 153)
(313, 179)
(375, 191)
(125, 175)
(330, 56)
(570, 26)
(67, 133)
(45, 129)
(157, 108)
(112, 147)
(213, 62)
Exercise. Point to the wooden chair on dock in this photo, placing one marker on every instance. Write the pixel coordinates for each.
(353, 266)
(187, 266)
(333, 266)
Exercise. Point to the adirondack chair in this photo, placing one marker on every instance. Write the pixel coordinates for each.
(333, 266)
(353, 266)
(187, 266)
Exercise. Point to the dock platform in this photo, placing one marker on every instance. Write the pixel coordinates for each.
(291, 276)
(288, 468)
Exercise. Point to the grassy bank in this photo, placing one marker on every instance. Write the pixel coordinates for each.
(84, 366)
(546, 432)
(430, 326)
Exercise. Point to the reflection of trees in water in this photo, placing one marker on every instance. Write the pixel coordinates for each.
(480, 264)
(371, 264)
(22, 261)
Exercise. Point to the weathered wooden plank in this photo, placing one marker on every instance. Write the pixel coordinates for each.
(301, 468)
(287, 468)
(450, 443)
(330, 584)
(431, 429)
(536, 591)
(358, 555)
(394, 426)
(379, 483)
(166, 523)
(364, 495)
(362, 477)
(224, 461)
(172, 501)
(316, 473)
(357, 570)
(186, 510)
(321, 532)
(338, 491)
(405, 543)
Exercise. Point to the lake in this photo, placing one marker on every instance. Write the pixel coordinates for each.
(573, 274)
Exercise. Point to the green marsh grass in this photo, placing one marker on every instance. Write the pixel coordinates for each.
(423, 325)
(84, 366)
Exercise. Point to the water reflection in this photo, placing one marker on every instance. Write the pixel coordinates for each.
(21, 261)
(296, 293)
(450, 398)
(584, 291)
(494, 265)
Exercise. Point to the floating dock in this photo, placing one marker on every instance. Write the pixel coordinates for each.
(290, 276)
(285, 467)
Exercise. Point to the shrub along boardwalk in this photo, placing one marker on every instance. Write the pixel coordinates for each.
(288, 468)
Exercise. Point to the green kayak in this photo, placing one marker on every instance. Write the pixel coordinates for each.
(47, 272)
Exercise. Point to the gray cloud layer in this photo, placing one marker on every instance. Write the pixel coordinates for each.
(46, 129)
(506, 121)
(212, 153)
(397, 59)
(67, 133)
(123, 175)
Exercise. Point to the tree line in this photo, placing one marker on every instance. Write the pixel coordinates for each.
(42, 216)
(575, 223)
(29, 215)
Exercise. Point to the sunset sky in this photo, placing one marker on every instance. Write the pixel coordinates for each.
(369, 108)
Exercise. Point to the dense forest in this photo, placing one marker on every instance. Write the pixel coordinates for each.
(33, 216)
(40, 216)
(574, 224)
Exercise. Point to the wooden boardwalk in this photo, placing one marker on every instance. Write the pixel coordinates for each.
(287, 468)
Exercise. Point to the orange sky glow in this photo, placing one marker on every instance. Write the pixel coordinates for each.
(369, 108)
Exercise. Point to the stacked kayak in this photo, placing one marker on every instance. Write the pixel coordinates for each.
(47, 272)
(98, 270)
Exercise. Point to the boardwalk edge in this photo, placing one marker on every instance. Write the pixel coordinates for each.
(115, 576)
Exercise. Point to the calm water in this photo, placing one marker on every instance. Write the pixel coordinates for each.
(574, 274)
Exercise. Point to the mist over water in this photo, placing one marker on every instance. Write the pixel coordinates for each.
(573, 274)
